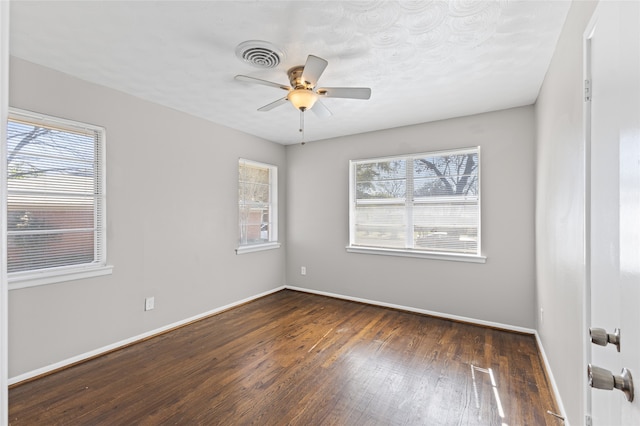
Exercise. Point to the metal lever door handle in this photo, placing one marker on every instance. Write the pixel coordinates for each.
(600, 378)
(599, 336)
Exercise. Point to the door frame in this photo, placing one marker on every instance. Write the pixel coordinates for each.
(4, 292)
(586, 111)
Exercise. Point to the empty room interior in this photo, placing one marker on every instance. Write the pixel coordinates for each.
(318, 212)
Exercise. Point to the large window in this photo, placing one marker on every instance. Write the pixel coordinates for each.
(257, 206)
(55, 198)
(425, 205)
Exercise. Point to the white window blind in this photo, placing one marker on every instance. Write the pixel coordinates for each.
(428, 202)
(257, 203)
(56, 197)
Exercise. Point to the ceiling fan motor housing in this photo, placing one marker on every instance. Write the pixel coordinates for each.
(295, 78)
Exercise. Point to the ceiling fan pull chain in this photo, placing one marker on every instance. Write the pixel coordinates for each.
(302, 124)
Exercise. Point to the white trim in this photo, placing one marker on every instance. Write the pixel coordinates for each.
(417, 310)
(479, 197)
(507, 327)
(152, 333)
(421, 254)
(257, 247)
(586, 122)
(50, 276)
(51, 120)
(554, 385)
(134, 339)
(33, 278)
(273, 202)
(466, 150)
(408, 202)
(4, 291)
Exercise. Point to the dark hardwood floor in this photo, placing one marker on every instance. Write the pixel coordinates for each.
(293, 358)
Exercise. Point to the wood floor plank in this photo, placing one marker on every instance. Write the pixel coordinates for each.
(301, 359)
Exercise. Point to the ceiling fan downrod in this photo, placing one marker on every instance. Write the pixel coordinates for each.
(301, 130)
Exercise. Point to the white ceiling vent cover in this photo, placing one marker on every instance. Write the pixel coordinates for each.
(260, 54)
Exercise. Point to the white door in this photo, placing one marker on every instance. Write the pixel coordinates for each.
(613, 258)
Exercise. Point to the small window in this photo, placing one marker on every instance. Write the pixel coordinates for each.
(427, 204)
(55, 198)
(257, 206)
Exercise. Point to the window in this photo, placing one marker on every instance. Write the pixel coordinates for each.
(257, 206)
(55, 200)
(424, 205)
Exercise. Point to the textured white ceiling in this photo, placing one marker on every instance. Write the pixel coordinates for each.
(424, 60)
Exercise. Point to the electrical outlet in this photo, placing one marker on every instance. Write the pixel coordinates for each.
(149, 303)
(303, 270)
(541, 316)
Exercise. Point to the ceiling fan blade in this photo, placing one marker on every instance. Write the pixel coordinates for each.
(321, 110)
(272, 105)
(248, 79)
(345, 92)
(313, 69)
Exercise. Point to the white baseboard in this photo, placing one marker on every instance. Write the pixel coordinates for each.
(134, 339)
(554, 386)
(508, 327)
(419, 311)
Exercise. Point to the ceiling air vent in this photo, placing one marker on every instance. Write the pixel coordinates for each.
(260, 54)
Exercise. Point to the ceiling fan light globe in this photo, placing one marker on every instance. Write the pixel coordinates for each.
(302, 99)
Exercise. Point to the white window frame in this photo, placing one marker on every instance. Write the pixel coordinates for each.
(272, 242)
(408, 250)
(99, 266)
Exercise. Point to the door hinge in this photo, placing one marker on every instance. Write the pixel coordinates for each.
(587, 90)
(587, 420)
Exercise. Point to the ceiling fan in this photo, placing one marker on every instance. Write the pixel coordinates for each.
(303, 93)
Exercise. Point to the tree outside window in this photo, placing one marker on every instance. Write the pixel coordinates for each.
(55, 197)
(426, 202)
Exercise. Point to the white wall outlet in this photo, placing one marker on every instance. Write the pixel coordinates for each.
(149, 303)
(541, 316)
(303, 270)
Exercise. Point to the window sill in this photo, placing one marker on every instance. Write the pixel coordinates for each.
(257, 247)
(32, 279)
(420, 254)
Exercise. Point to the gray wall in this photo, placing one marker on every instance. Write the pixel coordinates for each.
(172, 220)
(172, 223)
(501, 291)
(560, 210)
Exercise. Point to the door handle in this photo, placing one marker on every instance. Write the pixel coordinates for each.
(600, 378)
(599, 336)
